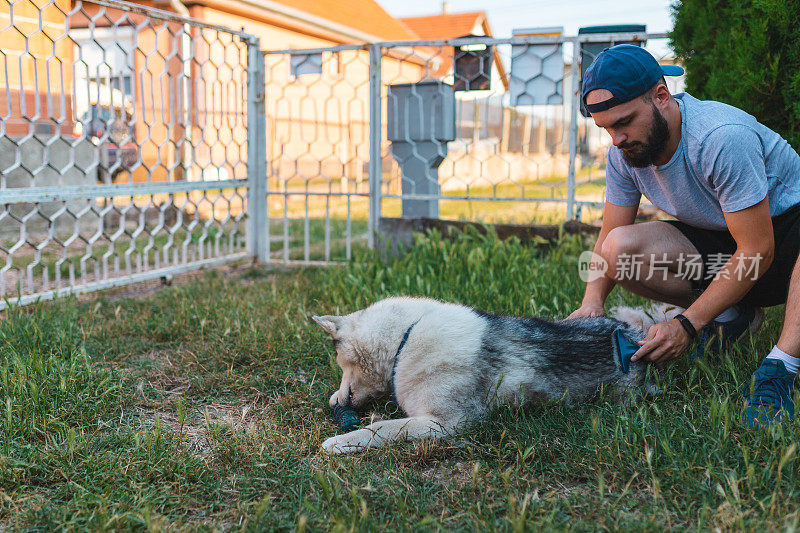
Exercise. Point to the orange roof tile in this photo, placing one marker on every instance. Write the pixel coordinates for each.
(363, 15)
(446, 26)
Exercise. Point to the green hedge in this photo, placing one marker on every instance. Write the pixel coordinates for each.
(744, 53)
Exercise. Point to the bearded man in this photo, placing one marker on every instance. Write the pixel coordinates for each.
(733, 186)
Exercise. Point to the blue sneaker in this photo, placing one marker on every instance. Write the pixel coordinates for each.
(768, 396)
(717, 337)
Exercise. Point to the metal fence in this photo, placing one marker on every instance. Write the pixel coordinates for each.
(123, 146)
(135, 143)
(354, 136)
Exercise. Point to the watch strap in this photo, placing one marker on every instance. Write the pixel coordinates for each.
(687, 325)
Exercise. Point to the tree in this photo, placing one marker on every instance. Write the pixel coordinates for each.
(744, 53)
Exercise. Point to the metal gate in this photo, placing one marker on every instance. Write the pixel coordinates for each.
(123, 146)
(353, 136)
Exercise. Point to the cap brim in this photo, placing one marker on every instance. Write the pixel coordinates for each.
(672, 70)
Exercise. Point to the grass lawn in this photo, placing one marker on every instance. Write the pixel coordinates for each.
(202, 406)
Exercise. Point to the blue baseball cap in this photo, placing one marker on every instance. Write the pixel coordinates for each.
(627, 71)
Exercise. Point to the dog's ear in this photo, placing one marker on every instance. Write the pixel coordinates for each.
(329, 323)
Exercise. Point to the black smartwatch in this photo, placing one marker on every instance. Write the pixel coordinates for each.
(687, 325)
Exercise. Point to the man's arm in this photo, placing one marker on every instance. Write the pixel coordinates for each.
(751, 228)
(598, 290)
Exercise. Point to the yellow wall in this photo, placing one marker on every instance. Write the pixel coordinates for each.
(317, 124)
(37, 62)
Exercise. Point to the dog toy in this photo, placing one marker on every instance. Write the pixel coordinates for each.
(346, 417)
(625, 349)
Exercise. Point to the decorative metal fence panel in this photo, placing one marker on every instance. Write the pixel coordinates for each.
(317, 105)
(135, 143)
(519, 151)
(123, 145)
(475, 128)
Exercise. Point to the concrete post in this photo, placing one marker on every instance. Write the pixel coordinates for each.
(421, 122)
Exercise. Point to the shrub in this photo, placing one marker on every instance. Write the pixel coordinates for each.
(745, 54)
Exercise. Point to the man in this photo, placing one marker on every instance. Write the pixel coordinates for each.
(734, 187)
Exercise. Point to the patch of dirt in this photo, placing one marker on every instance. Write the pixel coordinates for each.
(164, 371)
(557, 489)
(242, 270)
(236, 269)
(204, 424)
(15, 505)
(459, 473)
(162, 383)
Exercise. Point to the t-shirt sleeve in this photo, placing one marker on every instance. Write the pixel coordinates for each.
(732, 158)
(620, 187)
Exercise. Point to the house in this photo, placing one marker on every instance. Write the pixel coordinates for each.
(173, 77)
(33, 75)
(447, 25)
(282, 24)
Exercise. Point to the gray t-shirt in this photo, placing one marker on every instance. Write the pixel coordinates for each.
(726, 161)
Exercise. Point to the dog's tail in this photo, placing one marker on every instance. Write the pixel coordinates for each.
(644, 317)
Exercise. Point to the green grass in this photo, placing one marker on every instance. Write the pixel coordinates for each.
(202, 406)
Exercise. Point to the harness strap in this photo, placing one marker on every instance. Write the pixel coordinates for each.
(397, 358)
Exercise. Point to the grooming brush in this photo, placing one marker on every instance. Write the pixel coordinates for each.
(625, 349)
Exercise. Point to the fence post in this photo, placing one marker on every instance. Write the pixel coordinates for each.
(257, 219)
(375, 166)
(573, 126)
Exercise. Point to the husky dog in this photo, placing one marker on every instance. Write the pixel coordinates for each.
(447, 364)
(642, 318)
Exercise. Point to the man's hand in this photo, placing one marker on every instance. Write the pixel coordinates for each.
(664, 341)
(587, 310)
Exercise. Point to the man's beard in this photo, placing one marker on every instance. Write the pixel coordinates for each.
(642, 155)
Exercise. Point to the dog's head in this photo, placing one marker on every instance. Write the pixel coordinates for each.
(364, 374)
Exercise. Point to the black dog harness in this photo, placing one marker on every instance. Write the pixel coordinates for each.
(397, 358)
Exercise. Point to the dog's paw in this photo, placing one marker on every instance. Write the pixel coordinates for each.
(338, 444)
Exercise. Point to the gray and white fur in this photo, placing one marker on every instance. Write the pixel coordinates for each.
(458, 362)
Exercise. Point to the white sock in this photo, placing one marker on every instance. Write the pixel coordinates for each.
(791, 363)
(728, 315)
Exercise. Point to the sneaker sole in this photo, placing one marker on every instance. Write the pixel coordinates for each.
(755, 325)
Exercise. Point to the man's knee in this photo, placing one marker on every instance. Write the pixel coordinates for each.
(620, 242)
